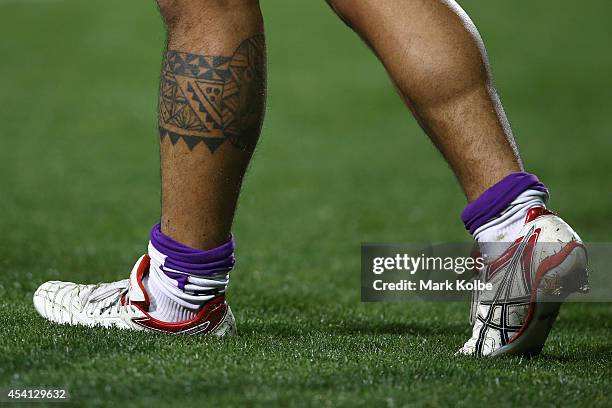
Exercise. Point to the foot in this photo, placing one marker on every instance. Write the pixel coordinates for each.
(124, 304)
(530, 281)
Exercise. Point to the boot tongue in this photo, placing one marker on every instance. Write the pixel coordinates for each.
(137, 293)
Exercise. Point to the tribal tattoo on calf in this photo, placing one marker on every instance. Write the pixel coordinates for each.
(212, 99)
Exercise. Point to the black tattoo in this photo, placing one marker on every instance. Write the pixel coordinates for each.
(214, 98)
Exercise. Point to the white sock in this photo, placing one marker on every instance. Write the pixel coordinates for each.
(495, 236)
(168, 302)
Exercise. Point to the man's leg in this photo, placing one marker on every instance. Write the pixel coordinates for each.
(437, 61)
(210, 113)
(212, 97)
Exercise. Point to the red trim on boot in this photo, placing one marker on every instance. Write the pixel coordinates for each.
(537, 212)
(207, 319)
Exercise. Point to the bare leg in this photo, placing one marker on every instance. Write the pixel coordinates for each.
(438, 62)
(212, 98)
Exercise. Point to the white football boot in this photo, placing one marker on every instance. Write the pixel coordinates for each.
(530, 280)
(124, 305)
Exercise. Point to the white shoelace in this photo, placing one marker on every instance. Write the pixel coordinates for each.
(106, 298)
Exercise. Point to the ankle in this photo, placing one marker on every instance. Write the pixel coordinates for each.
(498, 234)
(182, 279)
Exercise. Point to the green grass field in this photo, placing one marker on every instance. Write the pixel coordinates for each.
(340, 162)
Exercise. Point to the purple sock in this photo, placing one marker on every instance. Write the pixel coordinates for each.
(492, 202)
(189, 261)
